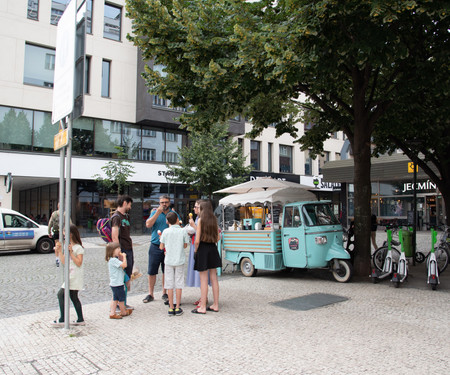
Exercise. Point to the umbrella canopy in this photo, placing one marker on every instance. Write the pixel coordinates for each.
(261, 184)
(283, 195)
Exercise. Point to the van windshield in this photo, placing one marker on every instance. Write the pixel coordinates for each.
(319, 214)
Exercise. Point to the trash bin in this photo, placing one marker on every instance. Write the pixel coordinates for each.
(90, 223)
(407, 242)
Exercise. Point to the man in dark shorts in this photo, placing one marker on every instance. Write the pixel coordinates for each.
(120, 232)
(157, 221)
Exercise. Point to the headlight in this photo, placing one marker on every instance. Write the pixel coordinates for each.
(321, 240)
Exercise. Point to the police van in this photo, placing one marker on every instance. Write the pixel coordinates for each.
(18, 232)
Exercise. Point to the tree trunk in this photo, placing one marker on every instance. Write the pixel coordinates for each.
(363, 191)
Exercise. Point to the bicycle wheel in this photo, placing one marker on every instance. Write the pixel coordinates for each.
(442, 255)
(379, 256)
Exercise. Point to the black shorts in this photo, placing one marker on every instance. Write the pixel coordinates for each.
(207, 257)
(130, 261)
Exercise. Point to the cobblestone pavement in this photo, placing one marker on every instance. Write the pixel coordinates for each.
(376, 329)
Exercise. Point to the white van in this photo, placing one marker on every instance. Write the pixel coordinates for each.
(18, 232)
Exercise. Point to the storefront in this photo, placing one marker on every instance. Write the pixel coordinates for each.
(392, 191)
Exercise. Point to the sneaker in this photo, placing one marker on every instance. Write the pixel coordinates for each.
(57, 324)
(171, 312)
(178, 311)
(77, 323)
(148, 299)
(165, 297)
(115, 316)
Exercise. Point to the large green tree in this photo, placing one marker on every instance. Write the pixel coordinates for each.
(211, 162)
(350, 59)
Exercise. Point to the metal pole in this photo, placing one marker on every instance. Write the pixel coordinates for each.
(415, 215)
(67, 222)
(62, 155)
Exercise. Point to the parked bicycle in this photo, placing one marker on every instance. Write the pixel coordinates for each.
(442, 250)
(379, 255)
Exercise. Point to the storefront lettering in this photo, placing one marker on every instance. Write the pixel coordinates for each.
(427, 185)
(331, 185)
(165, 173)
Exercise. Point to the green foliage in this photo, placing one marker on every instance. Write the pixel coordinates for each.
(212, 161)
(117, 173)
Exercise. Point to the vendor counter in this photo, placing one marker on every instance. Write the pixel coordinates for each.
(260, 241)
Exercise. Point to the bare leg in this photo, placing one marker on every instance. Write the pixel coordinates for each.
(123, 310)
(178, 291)
(112, 310)
(151, 284)
(203, 290)
(170, 294)
(164, 289)
(374, 242)
(215, 288)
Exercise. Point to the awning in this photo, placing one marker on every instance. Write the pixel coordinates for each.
(385, 168)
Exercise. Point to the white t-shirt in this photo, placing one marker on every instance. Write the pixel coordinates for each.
(76, 274)
(174, 239)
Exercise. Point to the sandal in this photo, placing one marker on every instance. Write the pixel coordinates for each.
(115, 316)
(195, 311)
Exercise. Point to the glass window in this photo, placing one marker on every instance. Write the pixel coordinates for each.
(170, 157)
(154, 142)
(58, 8)
(39, 66)
(87, 70)
(112, 22)
(83, 136)
(15, 128)
(16, 221)
(255, 155)
(292, 217)
(323, 159)
(131, 140)
(33, 9)
(285, 159)
(106, 69)
(173, 143)
(148, 154)
(89, 4)
(269, 157)
(395, 206)
(319, 214)
(308, 164)
(44, 131)
(148, 133)
(338, 156)
(107, 137)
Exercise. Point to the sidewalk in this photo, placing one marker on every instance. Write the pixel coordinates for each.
(374, 328)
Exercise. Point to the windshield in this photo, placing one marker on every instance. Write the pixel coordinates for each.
(318, 214)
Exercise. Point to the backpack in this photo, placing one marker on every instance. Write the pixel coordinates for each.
(104, 228)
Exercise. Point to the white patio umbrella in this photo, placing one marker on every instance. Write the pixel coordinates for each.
(261, 184)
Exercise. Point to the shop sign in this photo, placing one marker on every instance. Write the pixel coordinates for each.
(420, 186)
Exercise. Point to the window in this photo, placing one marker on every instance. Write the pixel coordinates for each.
(148, 154)
(16, 221)
(338, 156)
(325, 157)
(89, 16)
(106, 70)
(43, 131)
(39, 66)
(269, 157)
(308, 164)
(15, 128)
(285, 159)
(171, 137)
(254, 154)
(112, 22)
(148, 133)
(58, 8)
(83, 136)
(170, 157)
(107, 136)
(50, 61)
(131, 140)
(33, 9)
(87, 70)
(292, 217)
(153, 139)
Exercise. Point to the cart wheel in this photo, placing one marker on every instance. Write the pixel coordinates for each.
(433, 286)
(396, 284)
(344, 272)
(247, 267)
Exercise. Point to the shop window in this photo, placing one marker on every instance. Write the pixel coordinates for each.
(107, 137)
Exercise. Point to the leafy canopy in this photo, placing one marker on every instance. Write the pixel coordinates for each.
(213, 161)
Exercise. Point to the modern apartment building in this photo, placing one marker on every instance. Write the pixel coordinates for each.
(118, 111)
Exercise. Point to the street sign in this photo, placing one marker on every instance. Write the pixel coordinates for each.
(411, 167)
(63, 87)
(60, 140)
